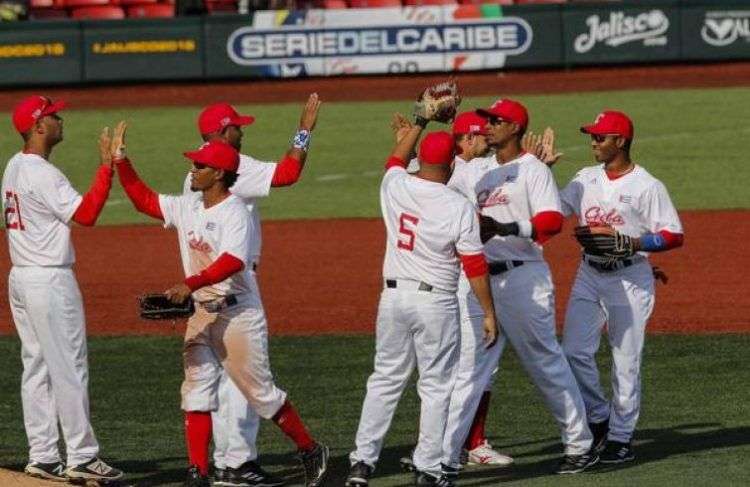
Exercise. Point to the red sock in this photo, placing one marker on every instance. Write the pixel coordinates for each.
(476, 433)
(290, 423)
(198, 438)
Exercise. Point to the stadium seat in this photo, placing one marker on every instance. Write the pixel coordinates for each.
(330, 4)
(130, 3)
(160, 10)
(374, 3)
(47, 14)
(98, 12)
(420, 3)
(87, 3)
(220, 6)
(482, 2)
(39, 4)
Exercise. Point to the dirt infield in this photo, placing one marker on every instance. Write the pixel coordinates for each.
(334, 288)
(9, 478)
(361, 88)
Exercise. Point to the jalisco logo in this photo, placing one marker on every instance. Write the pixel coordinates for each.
(250, 46)
(620, 28)
(724, 28)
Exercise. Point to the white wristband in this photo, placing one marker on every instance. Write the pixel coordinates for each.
(524, 228)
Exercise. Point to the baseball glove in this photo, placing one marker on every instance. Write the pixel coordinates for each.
(437, 103)
(605, 241)
(159, 307)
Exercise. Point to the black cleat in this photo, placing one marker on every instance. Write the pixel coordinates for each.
(578, 463)
(359, 475)
(406, 463)
(315, 463)
(95, 470)
(617, 452)
(195, 479)
(600, 431)
(219, 476)
(54, 471)
(249, 474)
(424, 479)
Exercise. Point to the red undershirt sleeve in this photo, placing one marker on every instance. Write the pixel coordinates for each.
(144, 198)
(672, 240)
(474, 265)
(93, 201)
(287, 172)
(546, 224)
(394, 161)
(224, 266)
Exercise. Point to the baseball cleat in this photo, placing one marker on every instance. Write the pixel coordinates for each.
(484, 454)
(424, 479)
(96, 470)
(54, 471)
(617, 452)
(599, 431)
(406, 463)
(219, 476)
(315, 463)
(577, 463)
(249, 474)
(359, 475)
(195, 479)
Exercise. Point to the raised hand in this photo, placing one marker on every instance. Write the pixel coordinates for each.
(549, 155)
(105, 141)
(400, 126)
(310, 113)
(117, 147)
(532, 143)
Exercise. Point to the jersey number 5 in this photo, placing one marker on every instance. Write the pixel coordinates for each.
(406, 237)
(12, 212)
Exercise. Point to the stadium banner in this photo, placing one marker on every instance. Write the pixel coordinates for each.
(616, 34)
(40, 53)
(382, 40)
(719, 31)
(143, 49)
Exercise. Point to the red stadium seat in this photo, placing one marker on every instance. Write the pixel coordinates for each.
(219, 6)
(87, 3)
(330, 4)
(98, 12)
(374, 3)
(160, 10)
(419, 3)
(47, 14)
(40, 4)
(130, 3)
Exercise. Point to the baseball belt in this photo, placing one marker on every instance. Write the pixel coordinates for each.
(220, 304)
(413, 285)
(609, 266)
(496, 268)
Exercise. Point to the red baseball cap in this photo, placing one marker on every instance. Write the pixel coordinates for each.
(217, 154)
(437, 148)
(469, 123)
(506, 110)
(215, 117)
(31, 109)
(611, 122)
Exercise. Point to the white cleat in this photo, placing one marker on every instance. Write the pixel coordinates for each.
(484, 454)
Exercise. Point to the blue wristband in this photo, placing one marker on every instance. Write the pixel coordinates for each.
(653, 242)
(301, 140)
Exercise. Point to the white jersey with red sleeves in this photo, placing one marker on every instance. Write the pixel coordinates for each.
(253, 181)
(38, 203)
(427, 226)
(206, 233)
(634, 204)
(510, 192)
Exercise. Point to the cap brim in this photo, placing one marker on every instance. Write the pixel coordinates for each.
(55, 107)
(194, 156)
(592, 130)
(243, 120)
(483, 112)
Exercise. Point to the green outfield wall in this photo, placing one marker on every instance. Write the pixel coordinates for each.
(280, 44)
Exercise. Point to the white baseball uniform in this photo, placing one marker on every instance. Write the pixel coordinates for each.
(524, 295)
(38, 204)
(428, 226)
(634, 204)
(235, 336)
(235, 424)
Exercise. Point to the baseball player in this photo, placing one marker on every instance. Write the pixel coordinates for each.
(618, 198)
(519, 210)
(477, 364)
(228, 328)
(39, 205)
(431, 230)
(235, 423)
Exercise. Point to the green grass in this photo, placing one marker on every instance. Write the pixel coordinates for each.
(694, 427)
(692, 139)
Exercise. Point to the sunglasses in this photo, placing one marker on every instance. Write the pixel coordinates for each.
(199, 166)
(495, 120)
(601, 138)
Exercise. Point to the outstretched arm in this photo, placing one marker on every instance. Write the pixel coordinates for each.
(290, 167)
(144, 198)
(93, 201)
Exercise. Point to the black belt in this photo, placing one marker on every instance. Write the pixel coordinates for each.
(219, 304)
(423, 286)
(496, 268)
(609, 266)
